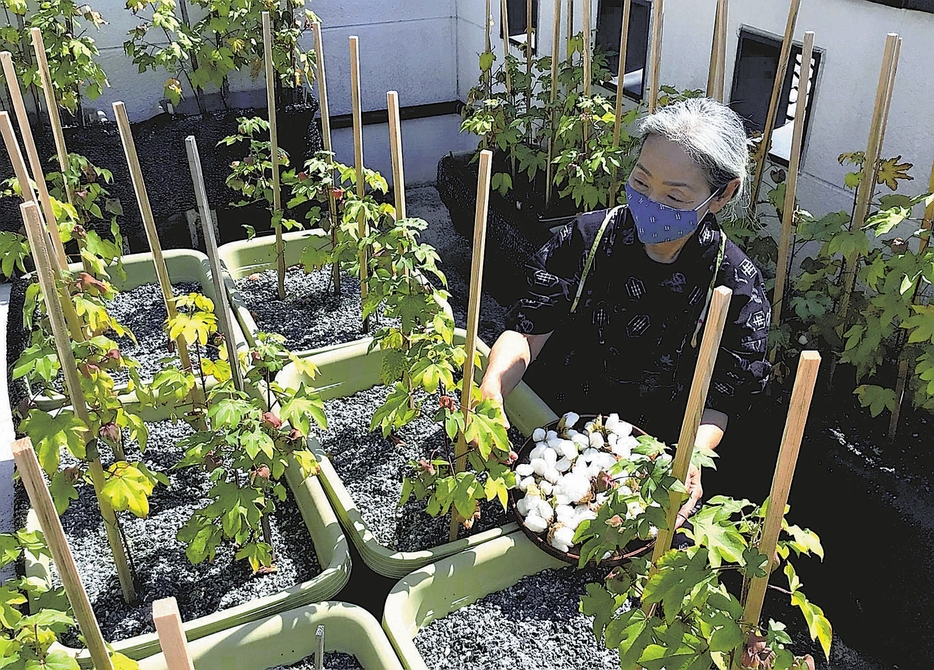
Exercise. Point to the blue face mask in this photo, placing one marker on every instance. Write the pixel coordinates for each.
(657, 223)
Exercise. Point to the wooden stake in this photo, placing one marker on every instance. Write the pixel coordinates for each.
(52, 106)
(395, 147)
(152, 236)
(326, 137)
(75, 325)
(319, 646)
(762, 152)
(791, 185)
(718, 53)
(528, 38)
(504, 19)
(587, 54)
(31, 475)
(487, 43)
(555, 57)
(801, 395)
(697, 399)
(904, 362)
(35, 165)
(358, 160)
(867, 182)
(46, 273)
(658, 19)
(172, 638)
(473, 309)
(570, 35)
(221, 306)
(620, 92)
(274, 151)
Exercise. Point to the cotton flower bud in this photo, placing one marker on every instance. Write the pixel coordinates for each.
(110, 432)
(539, 465)
(597, 441)
(546, 487)
(550, 456)
(524, 470)
(537, 451)
(568, 449)
(569, 420)
(563, 465)
(271, 420)
(552, 475)
(535, 523)
(538, 435)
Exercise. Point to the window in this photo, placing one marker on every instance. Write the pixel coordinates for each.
(609, 26)
(518, 25)
(756, 63)
(919, 5)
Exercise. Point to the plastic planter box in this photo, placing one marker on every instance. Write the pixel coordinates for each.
(246, 257)
(288, 637)
(436, 590)
(330, 545)
(349, 369)
(184, 265)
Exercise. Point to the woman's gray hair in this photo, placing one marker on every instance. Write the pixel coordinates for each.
(713, 136)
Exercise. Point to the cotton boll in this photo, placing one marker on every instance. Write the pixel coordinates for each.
(553, 443)
(550, 456)
(535, 523)
(563, 512)
(612, 439)
(605, 460)
(581, 440)
(576, 487)
(568, 449)
(563, 465)
(653, 531)
(565, 535)
(562, 499)
(596, 440)
(539, 465)
(524, 484)
(601, 499)
(552, 475)
(594, 470)
(538, 435)
(624, 490)
(634, 509)
(546, 487)
(537, 451)
(588, 427)
(570, 419)
(573, 522)
(570, 434)
(588, 454)
(544, 509)
(551, 435)
(524, 470)
(583, 512)
(523, 506)
(612, 422)
(623, 429)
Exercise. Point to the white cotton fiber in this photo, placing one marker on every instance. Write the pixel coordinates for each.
(535, 523)
(524, 470)
(570, 419)
(550, 456)
(597, 441)
(539, 465)
(552, 475)
(523, 506)
(538, 435)
(568, 449)
(563, 465)
(537, 451)
(546, 487)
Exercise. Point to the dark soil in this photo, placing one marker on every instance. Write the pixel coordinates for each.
(532, 625)
(161, 565)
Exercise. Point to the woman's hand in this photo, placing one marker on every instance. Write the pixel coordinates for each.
(695, 493)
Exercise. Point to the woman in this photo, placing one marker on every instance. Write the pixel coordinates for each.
(625, 338)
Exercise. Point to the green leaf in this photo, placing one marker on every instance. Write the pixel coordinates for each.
(257, 441)
(719, 535)
(57, 660)
(876, 398)
(677, 575)
(50, 434)
(818, 625)
(63, 491)
(128, 488)
(302, 408)
(602, 605)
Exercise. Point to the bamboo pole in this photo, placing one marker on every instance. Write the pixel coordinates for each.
(791, 185)
(31, 475)
(620, 77)
(326, 138)
(35, 165)
(172, 638)
(570, 28)
(395, 147)
(52, 105)
(555, 48)
(473, 310)
(697, 399)
(46, 273)
(658, 20)
(152, 236)
(588, 55)
(808, 364)
(75, 325)
(221, 305)
(355, 96)
(504, 20)
(718, 53)
(528, 38)
(904, 362)
(762, 151)
(274, 151)
(867, 182)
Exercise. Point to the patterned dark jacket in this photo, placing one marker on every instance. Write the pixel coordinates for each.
(627, 347)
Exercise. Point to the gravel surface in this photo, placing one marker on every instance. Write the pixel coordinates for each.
(332, 661)
(160, 561)
(142, 311)
(372, 467)
(534, 624)
(311, 316)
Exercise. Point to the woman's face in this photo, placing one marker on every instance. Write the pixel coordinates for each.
(667, 175)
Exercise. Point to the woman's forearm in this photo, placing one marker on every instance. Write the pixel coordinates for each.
(712, 426)
(509, 358)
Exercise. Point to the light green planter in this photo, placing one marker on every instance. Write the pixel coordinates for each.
(184, 265)
(246, 257)
(331, 548)
(289, 637)
(349, 369)
(436, 590)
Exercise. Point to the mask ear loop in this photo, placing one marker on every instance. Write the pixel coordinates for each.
(593, 252)
(713, 282)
